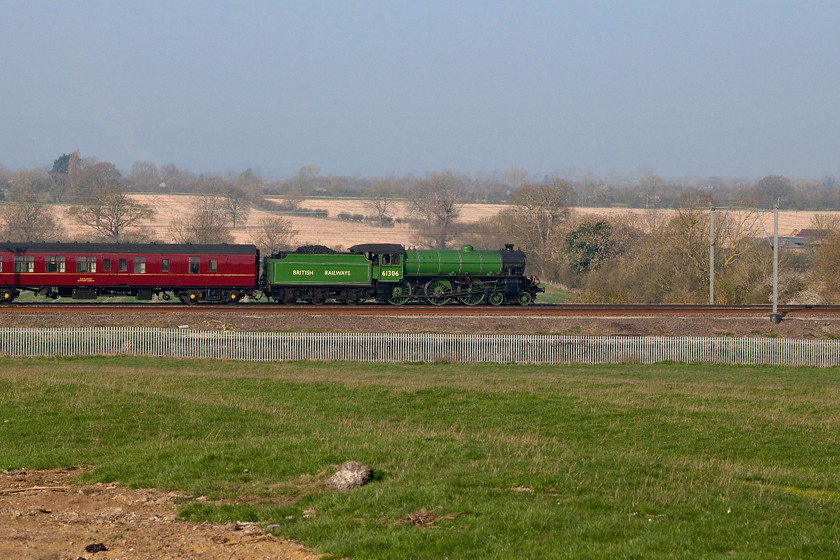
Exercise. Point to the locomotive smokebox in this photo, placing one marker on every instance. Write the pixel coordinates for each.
(513, 262)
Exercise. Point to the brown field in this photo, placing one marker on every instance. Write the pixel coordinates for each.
(342, 234)
(43, 515)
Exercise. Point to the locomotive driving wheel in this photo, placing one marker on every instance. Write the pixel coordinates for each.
(476, 295)
(400, 293)
(438, 291)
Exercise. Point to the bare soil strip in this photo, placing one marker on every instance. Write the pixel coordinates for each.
(43, 517)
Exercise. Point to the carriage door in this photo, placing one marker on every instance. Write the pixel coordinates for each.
(121, 265)
(390, 268)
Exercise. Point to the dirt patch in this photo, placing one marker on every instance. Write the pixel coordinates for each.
(43, 516)
(426, 518)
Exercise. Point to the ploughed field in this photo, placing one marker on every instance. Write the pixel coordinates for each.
(342, 234)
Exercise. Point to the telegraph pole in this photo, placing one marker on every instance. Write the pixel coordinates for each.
(775, 317)
(711, 254)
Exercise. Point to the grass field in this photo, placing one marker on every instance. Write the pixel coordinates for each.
(628, 461)
(554, 294)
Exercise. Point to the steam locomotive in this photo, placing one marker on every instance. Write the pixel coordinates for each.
(383, 272)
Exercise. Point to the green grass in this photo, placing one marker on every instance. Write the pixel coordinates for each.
(626, 461)
(554, 294)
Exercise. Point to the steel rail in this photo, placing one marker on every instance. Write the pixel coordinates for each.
(537, 309)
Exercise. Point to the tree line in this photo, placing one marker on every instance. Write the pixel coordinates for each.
(98, 199)
(654, 256)
(71, 176)
(647, 256)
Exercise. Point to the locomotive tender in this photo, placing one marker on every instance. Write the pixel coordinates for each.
(384, 272)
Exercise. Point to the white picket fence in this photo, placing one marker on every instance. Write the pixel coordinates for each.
(403, 347)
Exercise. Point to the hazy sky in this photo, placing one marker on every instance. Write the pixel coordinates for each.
(727, 88)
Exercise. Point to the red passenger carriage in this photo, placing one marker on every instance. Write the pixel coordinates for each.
(87, 270)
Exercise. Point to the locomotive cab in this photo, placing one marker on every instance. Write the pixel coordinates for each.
(387, 260)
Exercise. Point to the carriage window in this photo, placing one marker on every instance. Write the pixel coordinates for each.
(1, 264)
(164, 265)
(212, 266)
(106, 265)
(54, 264)
(123, 265)
(24, 263)
(85, 264)
(139, 265)
(194, 265)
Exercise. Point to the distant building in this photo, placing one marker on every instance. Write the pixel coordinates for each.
(792, 242)
(801, 238)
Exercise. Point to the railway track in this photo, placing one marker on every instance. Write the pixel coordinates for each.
(535, 310)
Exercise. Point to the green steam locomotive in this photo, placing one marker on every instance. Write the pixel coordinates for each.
(388, 272)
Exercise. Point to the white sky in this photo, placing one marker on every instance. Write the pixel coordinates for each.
(729, 88)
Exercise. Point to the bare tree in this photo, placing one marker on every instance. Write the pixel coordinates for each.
(486, 233)
(28, 182)
(437, 201)
(309, 172)
(232, 200)
(27, 218)
(273, 234)
(381, 199)
(515, 177)
(773, 188)
(145, 175)
(208, 223)
(535, 222)
(650, 186)
(93, 177)
(74, 172)
(237, 205)
(249, 184)
(111, 213)
(824, 225)
(174, 179)
(824, 275)
(671, 264)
